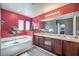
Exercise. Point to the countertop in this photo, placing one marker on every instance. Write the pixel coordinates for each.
(59, 36)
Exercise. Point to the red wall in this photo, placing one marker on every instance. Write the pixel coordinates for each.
(10, 19)
(69, 8)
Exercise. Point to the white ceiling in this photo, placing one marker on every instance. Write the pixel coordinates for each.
(31, 9)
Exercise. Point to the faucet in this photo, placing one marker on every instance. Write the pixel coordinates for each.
(76, 37)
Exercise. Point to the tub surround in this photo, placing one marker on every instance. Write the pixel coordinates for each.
(7, 42)
(15, 37)
(15, 45)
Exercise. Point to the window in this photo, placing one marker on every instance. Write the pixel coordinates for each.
(20, 24)
(27, 25)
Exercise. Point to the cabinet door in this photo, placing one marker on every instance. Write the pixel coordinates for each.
(70, 48)
(48, 44)
(41, 42)
(36, 40)
(57, 46)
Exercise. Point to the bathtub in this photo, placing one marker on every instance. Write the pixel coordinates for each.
(15, 45)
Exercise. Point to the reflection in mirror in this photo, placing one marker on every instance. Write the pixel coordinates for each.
(61, 26)
(50, 27)
(65, 26)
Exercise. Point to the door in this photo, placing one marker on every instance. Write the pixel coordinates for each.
(48, 44)
(36, 40)
(57, 46)
(41, 42)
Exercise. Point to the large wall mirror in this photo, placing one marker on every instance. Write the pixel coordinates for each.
(67, 24)
(62, 26)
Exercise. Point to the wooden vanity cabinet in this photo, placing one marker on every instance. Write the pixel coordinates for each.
(70, 48)
(48, 44)
(36, 40)
(57, 46)
(41, 42)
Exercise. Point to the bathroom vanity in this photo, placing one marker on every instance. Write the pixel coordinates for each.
(66, 45)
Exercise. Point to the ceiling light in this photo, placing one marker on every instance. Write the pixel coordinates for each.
(18, 10)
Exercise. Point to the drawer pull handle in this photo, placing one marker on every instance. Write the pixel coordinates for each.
(48, 43)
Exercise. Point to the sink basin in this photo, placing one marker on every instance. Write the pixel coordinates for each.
(72, 37)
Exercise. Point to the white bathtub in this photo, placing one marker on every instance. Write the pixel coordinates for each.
(10, 47)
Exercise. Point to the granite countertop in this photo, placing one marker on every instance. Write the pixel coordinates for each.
(59, 36)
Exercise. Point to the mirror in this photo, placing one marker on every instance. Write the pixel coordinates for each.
(50, 26)
(63, 26)
(67, 24)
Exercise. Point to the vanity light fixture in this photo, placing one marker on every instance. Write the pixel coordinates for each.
(52, 14)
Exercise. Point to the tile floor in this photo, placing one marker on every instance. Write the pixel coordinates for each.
(37, 51)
